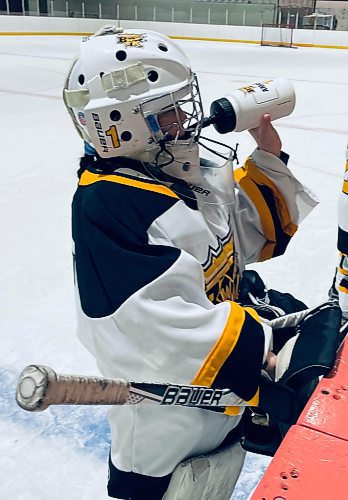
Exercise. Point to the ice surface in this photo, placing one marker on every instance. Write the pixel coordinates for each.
(62, 453)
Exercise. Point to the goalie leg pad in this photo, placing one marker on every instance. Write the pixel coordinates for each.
(207, 477)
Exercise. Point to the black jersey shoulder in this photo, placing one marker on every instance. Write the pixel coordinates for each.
(113, 257)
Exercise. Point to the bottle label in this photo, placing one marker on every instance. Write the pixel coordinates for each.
(260, 91)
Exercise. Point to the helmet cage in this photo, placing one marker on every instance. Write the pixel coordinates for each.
(188, 101)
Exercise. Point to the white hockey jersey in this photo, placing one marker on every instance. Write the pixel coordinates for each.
(342, 244)
(157, 280)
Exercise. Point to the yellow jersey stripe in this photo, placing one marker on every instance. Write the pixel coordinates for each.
(343, 271)
(282, 207)
(342, 289)
(254, 401)
(253, 313)
(223, 347)
(251, 189)
(233, 411)
(249, 177)
(88, 178)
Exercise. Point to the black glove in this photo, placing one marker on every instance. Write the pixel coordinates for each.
(307, 355)
(311, 352)
(269, 304)
(253, 293)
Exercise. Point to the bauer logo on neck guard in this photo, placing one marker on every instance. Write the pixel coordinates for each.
(131, 39)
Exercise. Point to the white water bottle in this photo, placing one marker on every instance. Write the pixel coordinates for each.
(244, 107)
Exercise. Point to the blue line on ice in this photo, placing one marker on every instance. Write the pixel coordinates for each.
(86, 428)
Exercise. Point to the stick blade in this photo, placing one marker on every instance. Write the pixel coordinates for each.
(32, 387)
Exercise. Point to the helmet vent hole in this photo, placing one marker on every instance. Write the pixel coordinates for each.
(163, 47)
(121, 55)
(115, 115)
(81, 79)
(152, 76)
(126, 136)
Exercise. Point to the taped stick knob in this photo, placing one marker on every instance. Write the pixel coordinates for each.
(32, 387)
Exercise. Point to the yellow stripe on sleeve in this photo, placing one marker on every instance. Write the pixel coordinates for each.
(221, 351)
(342, 289)
(253, 313)
(251, 189)
(233, 411)
(343, 271)
(223, 347)
(249, 177)
(282, 207)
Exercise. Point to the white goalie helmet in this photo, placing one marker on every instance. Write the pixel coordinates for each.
(121, 82)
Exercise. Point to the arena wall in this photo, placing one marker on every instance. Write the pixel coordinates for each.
(30, 25)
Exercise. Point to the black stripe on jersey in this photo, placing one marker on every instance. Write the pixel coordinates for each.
(342, 241)
(344, 283)
(242, 369)
(282, 238)
(112, 254)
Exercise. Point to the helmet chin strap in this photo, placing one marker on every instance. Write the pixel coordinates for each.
(162, 153)
(184, 156)
(166, 154)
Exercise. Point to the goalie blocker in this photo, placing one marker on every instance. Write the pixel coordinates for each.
(308, 353)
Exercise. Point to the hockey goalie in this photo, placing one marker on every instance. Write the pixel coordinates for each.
(161, 240)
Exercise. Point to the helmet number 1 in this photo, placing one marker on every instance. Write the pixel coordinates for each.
(112, 132)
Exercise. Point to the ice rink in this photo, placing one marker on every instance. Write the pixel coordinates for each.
(62, 452)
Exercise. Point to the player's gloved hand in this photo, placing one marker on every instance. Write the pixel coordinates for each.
(311, 352)
(292, 375)
(266, 136)
(269, 304)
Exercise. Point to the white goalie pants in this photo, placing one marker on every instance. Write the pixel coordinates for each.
(207, 477)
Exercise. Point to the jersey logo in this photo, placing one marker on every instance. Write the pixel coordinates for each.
(221, 271)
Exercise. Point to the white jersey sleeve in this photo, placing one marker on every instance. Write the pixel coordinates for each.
(270, 204)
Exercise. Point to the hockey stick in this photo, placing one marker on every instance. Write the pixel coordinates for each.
(40, 386)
